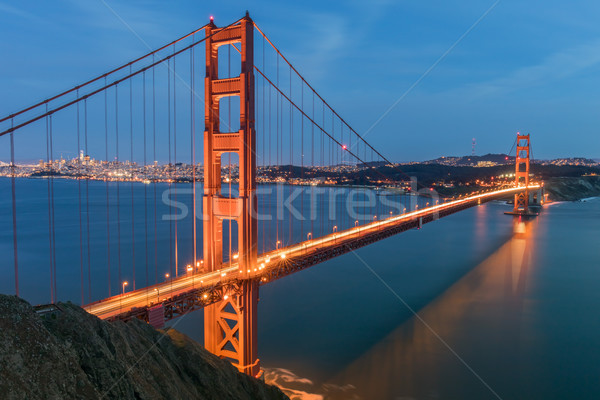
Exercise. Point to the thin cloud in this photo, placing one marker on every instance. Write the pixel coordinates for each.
(557, 66)
(5, 8)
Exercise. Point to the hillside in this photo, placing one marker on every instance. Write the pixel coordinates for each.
(70, 354)
(572, 188)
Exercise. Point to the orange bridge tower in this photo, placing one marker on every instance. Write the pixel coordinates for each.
(230, 324)
(522, 174)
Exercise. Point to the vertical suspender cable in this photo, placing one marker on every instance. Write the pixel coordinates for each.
(323, 166)
(302, 163)
(270, 161)
(14, 206)
(175, 158)
(264, 155)
(106, 180)
(87, 204)
(312, 164)
(145, 176)
(49, 168)
(277, 154)
(53, 215)
(290, 240)
(118, 182)
(79, 198)
(332, 163)
(170, 165)
(154, 171)
(193, 144)
(340, 151)
(131, 177)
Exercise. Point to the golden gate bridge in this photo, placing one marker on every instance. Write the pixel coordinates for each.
(262, 122)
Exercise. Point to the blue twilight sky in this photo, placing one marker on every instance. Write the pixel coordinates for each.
(527, 66)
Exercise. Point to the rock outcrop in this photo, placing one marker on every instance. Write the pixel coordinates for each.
(70, 354)
(572, 188)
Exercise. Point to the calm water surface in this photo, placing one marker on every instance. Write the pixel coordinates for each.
(505, 309)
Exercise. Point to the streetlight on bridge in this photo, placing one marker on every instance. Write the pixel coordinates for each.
(122, 293)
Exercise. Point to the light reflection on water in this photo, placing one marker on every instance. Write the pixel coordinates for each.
(435, 355)
(522, 324)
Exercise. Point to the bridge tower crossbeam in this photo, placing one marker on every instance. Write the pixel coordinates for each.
(230, 324)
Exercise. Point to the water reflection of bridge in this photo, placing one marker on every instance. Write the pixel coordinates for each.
(438, 352)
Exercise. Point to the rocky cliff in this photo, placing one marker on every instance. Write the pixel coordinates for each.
(70, 354)
(572, 188)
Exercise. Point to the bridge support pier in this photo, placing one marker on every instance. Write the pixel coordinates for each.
(230, 328)
(230, 324)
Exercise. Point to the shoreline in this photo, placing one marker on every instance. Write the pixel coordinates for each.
(559, 189)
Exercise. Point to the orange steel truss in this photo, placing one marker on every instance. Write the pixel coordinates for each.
(230, 324)
(522, 174)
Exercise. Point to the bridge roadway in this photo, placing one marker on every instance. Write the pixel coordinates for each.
(195, 290)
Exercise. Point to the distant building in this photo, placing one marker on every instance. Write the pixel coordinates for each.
(486, 164)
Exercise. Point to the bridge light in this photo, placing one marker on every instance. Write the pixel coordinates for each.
(344, 147)
(224, 273)
(189, 268)
(225, 297)
(267, 259)
(236, 256)
(356, 223)
(335, 229)
(212, 18)
(309, 236)
(283, 256)
(205, 295)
